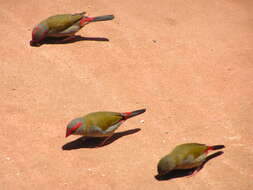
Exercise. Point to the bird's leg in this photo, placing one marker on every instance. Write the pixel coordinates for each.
(101, 144)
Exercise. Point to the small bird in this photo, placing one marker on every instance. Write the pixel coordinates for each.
(185, 156)
(99, 124)
(63, 25)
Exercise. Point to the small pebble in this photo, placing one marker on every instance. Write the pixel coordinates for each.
(142, 121)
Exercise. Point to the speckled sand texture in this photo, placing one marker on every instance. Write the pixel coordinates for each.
(189, 62)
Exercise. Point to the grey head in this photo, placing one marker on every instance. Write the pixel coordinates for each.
(165, 165)
(75, 127)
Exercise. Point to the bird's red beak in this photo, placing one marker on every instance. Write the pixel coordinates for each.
(68, 132)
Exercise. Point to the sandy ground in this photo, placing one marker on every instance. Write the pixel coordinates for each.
(189, 62)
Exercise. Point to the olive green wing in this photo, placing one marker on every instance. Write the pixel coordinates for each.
(194, 149)
(59, 23)
(103, 120)
(189, 155)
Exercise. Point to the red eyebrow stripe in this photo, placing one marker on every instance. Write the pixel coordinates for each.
(75, 127)
(35, 30)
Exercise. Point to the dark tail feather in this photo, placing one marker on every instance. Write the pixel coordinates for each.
(128, 115)
(217, 147)
(102, 18)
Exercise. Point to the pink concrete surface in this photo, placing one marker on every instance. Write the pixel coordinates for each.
(189, 62)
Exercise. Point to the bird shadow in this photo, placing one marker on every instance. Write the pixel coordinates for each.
(78, 38)
(186, 172)
(94, 142)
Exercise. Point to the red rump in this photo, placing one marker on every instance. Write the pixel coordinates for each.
(215, 147)
(128, 113)
(87, 19)
(209, 148)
